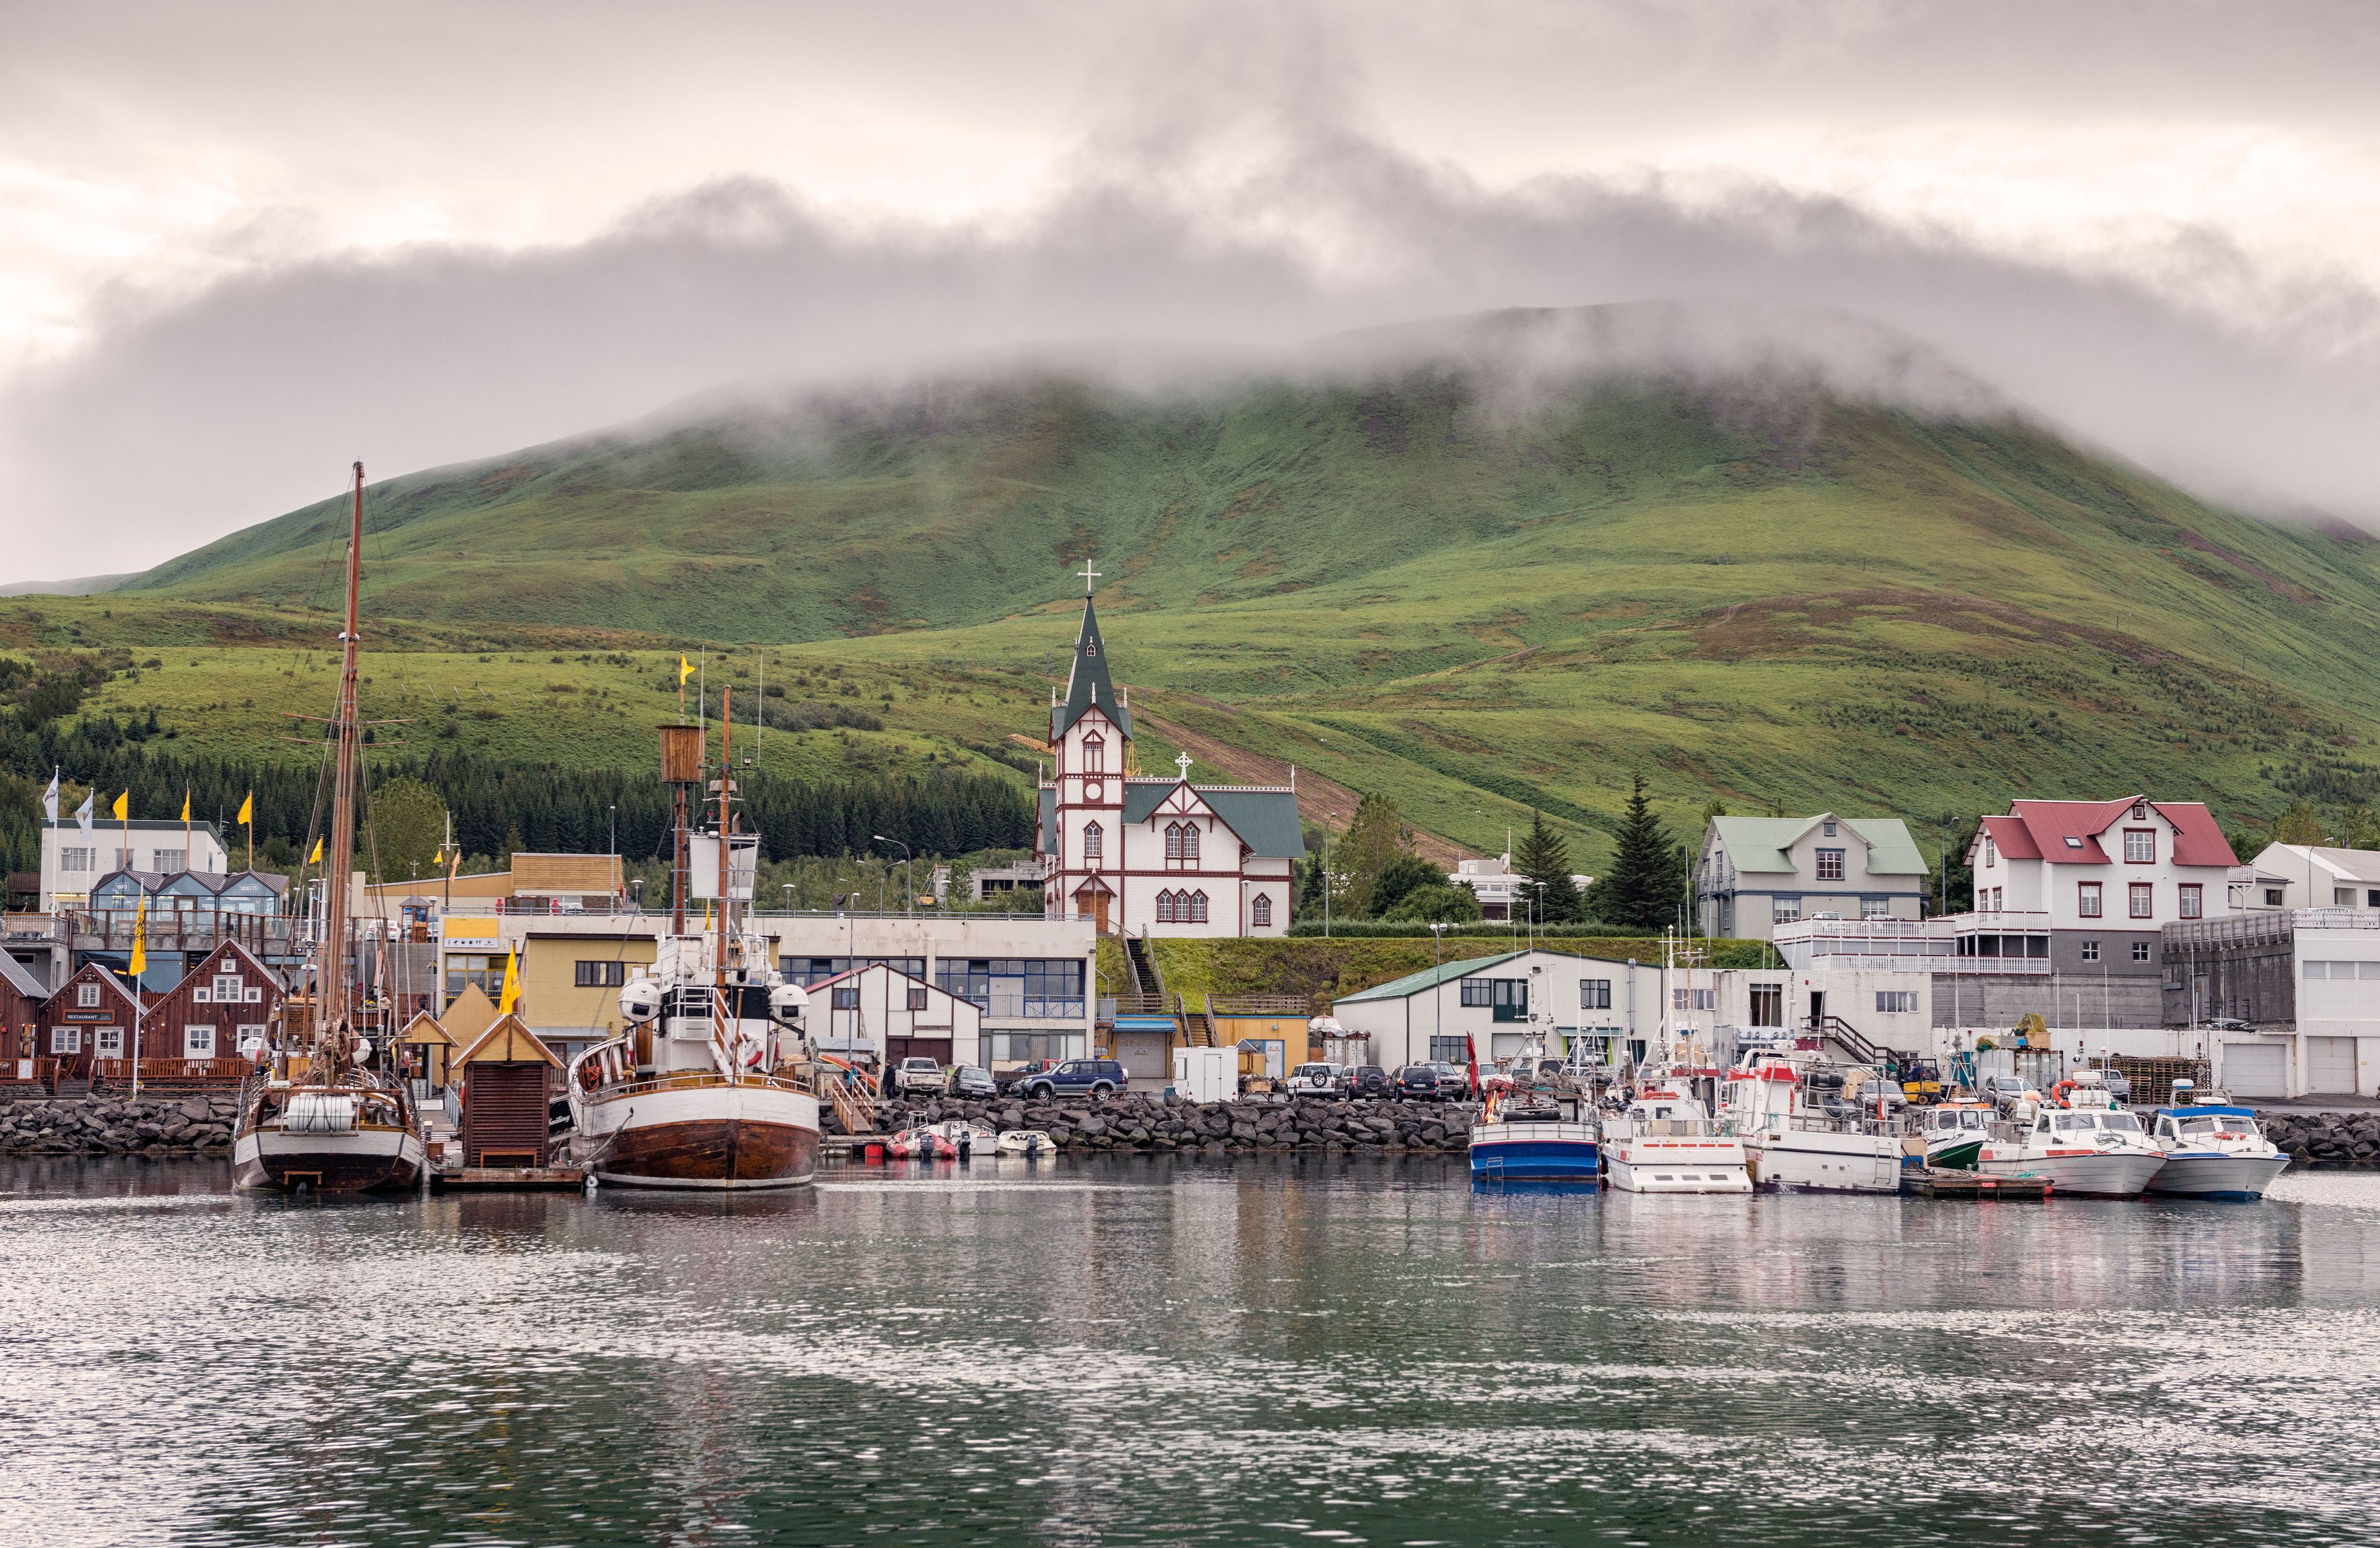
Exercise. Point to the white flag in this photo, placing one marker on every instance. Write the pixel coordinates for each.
(82, 813)
(49, 800)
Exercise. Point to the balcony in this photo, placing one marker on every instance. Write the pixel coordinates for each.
(2000, 941)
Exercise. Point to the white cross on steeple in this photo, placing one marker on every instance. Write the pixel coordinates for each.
(1183, 763)
(1089, 576)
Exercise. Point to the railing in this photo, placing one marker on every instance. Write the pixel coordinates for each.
(1140, 1005)
(114, 1069)
(1257, 1005)
(27, 1071)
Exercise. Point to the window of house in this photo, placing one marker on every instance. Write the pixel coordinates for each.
(807, 971)
(603, 976)
(2087, 900)
(107, 1042)
(2140, 846)
(1785, 909)
(2140, 811)
(1831, 828)
(1450, 1050)
(1181, 844)
(2193, 900)
(1478, 991)
(1095, 754)
(1165, 908)
(1896, 1002)
(2139, 951)
(1768, 1005)
(1092, 839)
(2090, 951)
(2143, 900)
(916, 997)
(198, 1041)
(86, 996)
(1260, 911)
(843, 997)
(65, 1040)
(1694, 999)
(2000, 899)
(1876, 908)
(1991, 851)
(78, 859)
(1198, 908)
(464, 969)
(2272, 897)
(1595, 994)
(251, 1035)
(1830, 864)
(228, 990)
(2074, 843)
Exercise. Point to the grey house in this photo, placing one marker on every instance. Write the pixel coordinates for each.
(1757, 873)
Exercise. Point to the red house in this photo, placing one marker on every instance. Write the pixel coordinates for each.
(90, 1018)
(22, 995)
(225, 1003)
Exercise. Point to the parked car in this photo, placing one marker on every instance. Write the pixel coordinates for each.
(1369, 1080)
(2004, 1088)
(1077, 1077)
(1418, 1082)
(2226, 1023)
(1454, 1081)
(1318, 1080)
(1009, 1080)
(967, 1080)
(919, 1074)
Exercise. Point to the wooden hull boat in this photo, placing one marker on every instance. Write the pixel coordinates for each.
(327, 1141)
(701, 1132)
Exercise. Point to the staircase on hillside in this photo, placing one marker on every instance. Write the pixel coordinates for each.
(1146, 995)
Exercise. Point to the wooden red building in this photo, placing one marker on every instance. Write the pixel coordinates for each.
(88, 1020)
(22, 996)
(195, 1029)
(509, 1077)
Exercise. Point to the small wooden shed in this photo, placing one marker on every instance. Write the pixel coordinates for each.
(508, 1078)
(426, 1043)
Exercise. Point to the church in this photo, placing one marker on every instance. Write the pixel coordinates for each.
(1154, 856)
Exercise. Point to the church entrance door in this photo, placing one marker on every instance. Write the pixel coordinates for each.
(1099, 912)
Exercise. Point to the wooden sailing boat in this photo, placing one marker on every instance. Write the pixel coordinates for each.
(713, 1086)
(322, 1118)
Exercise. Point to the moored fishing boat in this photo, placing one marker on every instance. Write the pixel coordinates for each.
(2213, 1150)
(1804, 1126)
(2080, 1140)
(1532, 1130)
(1955, 1132)
(1666, 1142)
(322, 1117)
(715, 1085)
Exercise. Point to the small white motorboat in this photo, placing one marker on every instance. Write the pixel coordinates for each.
(1666, 1142)
(2082, 1142)
(1025, 1142)
(2213, 1150)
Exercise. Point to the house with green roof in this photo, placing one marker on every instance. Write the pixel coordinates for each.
(1757, 873)
(1493, 1008)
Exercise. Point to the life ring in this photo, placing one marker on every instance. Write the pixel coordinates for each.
(2058, 1093)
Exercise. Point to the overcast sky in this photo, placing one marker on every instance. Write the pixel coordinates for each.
(242, 244)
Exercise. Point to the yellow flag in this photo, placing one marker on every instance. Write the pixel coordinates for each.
(685, 671)
(141, 940)
(246, 807)
(439, 858)
(315, 858)
(185, 805)
(512, 984)
(122, 806)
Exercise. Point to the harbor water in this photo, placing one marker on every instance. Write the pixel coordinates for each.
(1313, 1350)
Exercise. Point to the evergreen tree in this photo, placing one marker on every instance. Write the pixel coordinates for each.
(1641, 887)
(1442, 903)
(1544, 860)
(1404, 875)
(1309, 885)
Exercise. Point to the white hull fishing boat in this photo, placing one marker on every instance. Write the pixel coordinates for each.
(1666, 1142)
(2081, 1142)
(322, 1117)
(1803, 1126)
(715, 1085)
(2212, 1151)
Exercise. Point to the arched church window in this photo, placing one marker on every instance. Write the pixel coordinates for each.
(1092, 837)
(1198, 908)
(1190, 844)
(1260, 912)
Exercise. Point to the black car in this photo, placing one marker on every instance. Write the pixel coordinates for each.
(1369, 1080)
(1418, 1082)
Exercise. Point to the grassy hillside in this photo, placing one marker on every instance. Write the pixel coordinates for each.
(1484, 601)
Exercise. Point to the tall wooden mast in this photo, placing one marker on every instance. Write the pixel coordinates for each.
(330, 973)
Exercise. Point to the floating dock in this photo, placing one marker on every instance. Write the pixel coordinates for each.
(513, 1178)
(1941, 1182)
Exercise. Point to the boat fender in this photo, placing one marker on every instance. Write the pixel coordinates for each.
(590, 1185)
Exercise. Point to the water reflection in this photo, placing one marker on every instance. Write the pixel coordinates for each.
(1169, 1351)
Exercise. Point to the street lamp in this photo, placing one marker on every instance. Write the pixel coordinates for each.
(614, 810)
(909, 870)
(788, 889)
(1326, 874)
(1437, 989)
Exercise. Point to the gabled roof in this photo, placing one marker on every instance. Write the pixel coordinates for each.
(22, 978)
(424, 1028)
(509, 1041)
(1087, 683)
(213, 883)
(101, 972)
(1759, 844)
(2040, 830)
(249, 960)
(2348, 865)
(1429, 978)
(1265, 820)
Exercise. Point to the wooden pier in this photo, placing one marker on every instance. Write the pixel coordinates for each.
(1941, 1182)
(519, 1177)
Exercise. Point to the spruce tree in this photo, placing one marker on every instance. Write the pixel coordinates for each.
(1376, 837)
(1642, 887)
(1544, 860)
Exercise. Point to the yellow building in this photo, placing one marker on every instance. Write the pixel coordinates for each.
(570, 985)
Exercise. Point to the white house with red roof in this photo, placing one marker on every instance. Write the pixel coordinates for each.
(2115, 867)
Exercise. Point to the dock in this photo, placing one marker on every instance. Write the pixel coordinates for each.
(517, 1178)
(1938, 1183)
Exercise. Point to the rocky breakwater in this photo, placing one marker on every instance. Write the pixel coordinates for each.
(101, 1125)
(1152, 1124)
(2324, 1139)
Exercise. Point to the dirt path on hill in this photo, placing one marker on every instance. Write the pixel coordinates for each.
(1316, 793)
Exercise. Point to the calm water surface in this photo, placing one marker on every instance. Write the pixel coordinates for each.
(1298, 1350)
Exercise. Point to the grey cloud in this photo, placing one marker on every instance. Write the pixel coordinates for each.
(186, 422)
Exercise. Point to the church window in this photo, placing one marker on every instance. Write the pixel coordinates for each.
(1190, 844)
(1165, 908)
(1095, 754)
(1091, 839)
(1181, 844)
(1260, 912)
(1197, 902)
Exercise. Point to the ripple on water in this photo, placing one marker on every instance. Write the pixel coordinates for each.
(1306, 1350)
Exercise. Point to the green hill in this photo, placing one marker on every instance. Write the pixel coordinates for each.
(1483, 585)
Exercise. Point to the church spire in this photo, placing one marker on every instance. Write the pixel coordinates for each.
(1088, 683)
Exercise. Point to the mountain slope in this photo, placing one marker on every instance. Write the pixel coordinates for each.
(1491, 579)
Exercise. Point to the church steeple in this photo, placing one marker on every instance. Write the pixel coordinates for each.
(1088, 683)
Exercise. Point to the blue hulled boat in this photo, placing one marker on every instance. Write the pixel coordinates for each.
(1536, 1150)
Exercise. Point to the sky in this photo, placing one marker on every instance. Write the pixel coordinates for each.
(242, 244)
